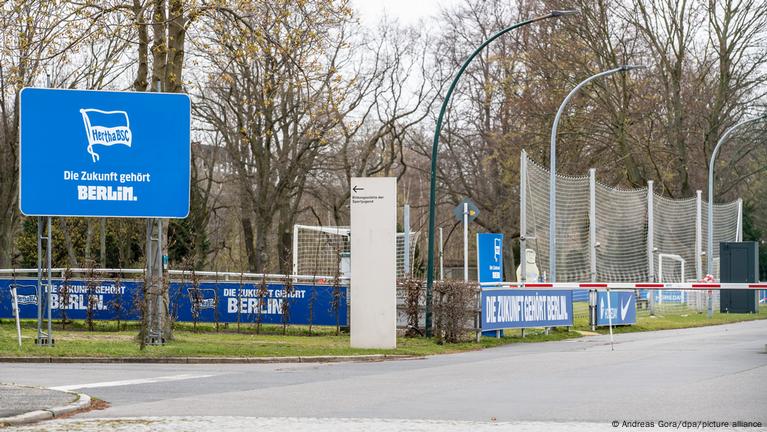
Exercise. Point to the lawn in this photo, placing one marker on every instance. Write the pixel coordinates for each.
(205, 341)
(106, 341)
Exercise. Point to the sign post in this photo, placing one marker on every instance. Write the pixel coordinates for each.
(466, 211)
(374, 262)
(14, 296)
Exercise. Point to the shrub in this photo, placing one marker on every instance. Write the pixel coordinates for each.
(455, 310)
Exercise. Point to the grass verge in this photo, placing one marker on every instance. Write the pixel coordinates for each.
(205, 341)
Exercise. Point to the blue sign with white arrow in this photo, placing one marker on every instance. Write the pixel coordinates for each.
(623, 308)
(489, 257)
(104, 154)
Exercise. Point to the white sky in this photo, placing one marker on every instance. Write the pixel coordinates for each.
(406, 11)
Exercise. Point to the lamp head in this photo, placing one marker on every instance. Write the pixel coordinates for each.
(561, 13)
(626, 68)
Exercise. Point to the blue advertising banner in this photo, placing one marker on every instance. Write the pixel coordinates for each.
(489, 257)
(623, 308)
(206, 302)
(515, 308)
(669, 296)
(98, 153)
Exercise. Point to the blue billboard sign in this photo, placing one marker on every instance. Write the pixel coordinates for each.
(98, 153)
(623, 308)
(515, 308)
(205, 302)
(489, 257)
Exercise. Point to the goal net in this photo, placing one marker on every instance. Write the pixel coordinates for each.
(322, 250)
(607, 234)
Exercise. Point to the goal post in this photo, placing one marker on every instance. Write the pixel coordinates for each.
(322, 250)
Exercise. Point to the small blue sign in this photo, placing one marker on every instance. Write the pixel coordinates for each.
(623, 308)
(206, 302)
(515, 308)
(669, 296)
(105, 154)
(489, 257)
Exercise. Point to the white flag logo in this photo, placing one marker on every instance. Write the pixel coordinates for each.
(106, 128)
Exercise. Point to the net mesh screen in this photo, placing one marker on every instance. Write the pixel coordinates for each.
(621, 231)
(319, 250)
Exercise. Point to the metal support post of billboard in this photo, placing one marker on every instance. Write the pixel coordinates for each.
(44, 289)
(650, 244)
(16, 313)
(154, 278)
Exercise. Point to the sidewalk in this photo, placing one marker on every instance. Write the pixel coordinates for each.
(21, 404)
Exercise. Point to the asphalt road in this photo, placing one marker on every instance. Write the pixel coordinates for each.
(706, 374)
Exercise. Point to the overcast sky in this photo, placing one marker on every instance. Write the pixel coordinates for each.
(406, 11)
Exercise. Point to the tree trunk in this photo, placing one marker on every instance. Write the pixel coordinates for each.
(247, 238)
(71, 257)
(88, 238)
(103, 241)
(263, 228)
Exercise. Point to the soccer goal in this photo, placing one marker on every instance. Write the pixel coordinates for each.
(671, 269)
(324, 250)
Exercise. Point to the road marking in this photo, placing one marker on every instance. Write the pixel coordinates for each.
(130, 382)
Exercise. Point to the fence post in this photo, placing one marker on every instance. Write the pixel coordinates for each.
(651, 244)
(739, 226)
(593, 224)
(406, 239)
(522, 218)
(592, 243)
(698, 235)
(295, 249)
(441, 256)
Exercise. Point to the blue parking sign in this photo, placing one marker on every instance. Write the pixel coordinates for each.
(104, 154)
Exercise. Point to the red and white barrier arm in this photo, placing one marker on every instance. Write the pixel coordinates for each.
(624, 286)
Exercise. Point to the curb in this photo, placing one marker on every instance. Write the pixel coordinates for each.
(83, 401)
(215, 360)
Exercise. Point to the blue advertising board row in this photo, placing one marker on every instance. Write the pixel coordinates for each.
(522, 308)
(516, 308)
(207, 302)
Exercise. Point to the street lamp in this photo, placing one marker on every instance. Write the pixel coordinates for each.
(553, 167)
(435, 147)
(710, 224)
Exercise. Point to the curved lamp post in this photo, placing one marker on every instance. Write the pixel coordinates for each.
(553, 167)
(710, 224)
(435, 148)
